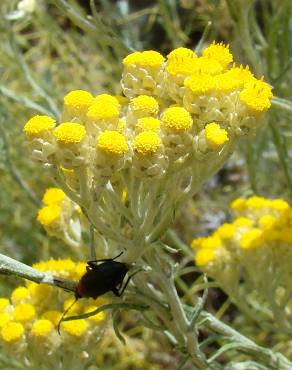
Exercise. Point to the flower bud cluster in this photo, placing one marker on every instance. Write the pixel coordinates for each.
(61, 217)
(178, 125)
(251, 256)
(29, 320)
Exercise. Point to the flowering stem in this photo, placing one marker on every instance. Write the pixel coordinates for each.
(10, 266)
(271, 359)
(187, 335)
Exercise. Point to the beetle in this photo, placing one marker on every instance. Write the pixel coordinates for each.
(101, 276)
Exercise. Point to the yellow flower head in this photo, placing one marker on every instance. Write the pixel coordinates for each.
(38, 125)
(12, 332)
(267, 222)
(112, 142)
(238, 204)
(215, 135)
(107, 99)
(182, 66)
(75, 328)
(197, 243)
(42, 328)
(20, 294)
(177, 119)
(220, 53)
(69, 133)
(4, 319)
(211, 242)
(181, 53)
(39, 291)
(279, 205)
(226, 231)
(148, 58)
(75, 308)
(235, 78)
(144, 104)
(257, 96)
(56, 266)
(78, 101)
(257, 202)
(24, 312)
(208, 66)
(226, 83)
(53, 316)
(104, 109)
(200, 83)
(53, 196)
(148, 124)
(4, 304)
(49, 215)
(251, 239)
(80, 269)
(205, 256)
(147, 143)
(242, 222)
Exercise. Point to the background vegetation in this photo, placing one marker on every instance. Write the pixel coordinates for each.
(64, 45)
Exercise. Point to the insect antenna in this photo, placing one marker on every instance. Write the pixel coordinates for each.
(65, 312)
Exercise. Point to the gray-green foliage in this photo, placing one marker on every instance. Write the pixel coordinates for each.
(59, 47)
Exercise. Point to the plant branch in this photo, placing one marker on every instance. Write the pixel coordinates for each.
(10, 266)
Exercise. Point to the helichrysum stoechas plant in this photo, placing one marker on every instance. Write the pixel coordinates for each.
(29, 319)
(130, 162)
(250, 257)
(181, 121)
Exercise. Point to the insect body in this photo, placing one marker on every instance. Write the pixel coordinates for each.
(101, 276)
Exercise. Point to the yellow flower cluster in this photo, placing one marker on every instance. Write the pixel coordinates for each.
(61, 217)
(178, 125)
(251, 256)
(29, 319)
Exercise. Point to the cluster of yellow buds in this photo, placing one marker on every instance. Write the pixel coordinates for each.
(177, 125)
(61, 217)
(29, 320)
(250, 258)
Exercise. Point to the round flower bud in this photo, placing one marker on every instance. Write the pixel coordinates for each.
(12, 332)
(148, 124)
(112, 142)
(49, 215)
(37, 126)
(220, 53)
(216, 137)
(24, 312)
(147, 143)
(42, 328)
(76, 103)
(177, 119)
(53, 196)
(69, 133)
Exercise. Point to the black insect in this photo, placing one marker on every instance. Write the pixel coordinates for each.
(101, 276)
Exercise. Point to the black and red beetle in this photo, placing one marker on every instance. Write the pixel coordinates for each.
(101, 276)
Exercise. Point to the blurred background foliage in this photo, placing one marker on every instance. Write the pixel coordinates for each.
(60, 45)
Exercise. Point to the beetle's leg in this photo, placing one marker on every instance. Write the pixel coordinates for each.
(116, 292)
(92, 263)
